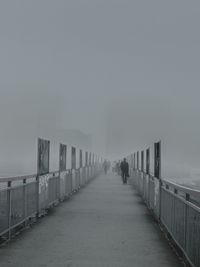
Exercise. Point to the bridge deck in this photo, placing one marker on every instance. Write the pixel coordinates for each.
(106, 224)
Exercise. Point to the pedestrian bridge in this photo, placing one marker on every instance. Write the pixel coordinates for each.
(95, 220)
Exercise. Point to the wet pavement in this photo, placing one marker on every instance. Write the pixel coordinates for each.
(104, 225)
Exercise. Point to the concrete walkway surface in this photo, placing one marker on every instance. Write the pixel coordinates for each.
(104, 225)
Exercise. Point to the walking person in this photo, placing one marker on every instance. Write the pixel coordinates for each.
(124, 170)
(105, 166)
(119, 168)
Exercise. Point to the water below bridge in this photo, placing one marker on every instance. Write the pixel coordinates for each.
(104, 225)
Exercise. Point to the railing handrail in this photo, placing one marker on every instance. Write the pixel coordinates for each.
(181, 187)
(31, 176)
(177, 186)
(17, 178)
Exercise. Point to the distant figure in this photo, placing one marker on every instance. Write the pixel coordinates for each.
(114, 166)
(105, 166)
(124, 170)
(118, 167)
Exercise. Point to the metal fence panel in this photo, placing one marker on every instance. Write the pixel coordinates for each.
(178, 209)
(167, 208)
(173, 216)
(89, 173)
(4, 210)
(141, 183)
(151, 194)
(43, 192)
(17, 205)
(68, 184)
(178, 228)
(27, 196)
(63, 184)
(77, 180)
(81, 177)
(86, 174)
(146, 188)
(74, 180)
(53, 190)
(193, 235)
(157, 197)
(31, 198)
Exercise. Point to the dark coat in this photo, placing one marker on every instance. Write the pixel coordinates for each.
(124, 167)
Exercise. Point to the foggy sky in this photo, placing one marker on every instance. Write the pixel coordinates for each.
(126, 72)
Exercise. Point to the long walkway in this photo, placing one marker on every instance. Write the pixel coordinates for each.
(105, 225)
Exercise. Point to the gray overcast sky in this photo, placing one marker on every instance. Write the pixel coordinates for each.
(125, 71)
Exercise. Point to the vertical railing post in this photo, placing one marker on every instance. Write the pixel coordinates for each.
(142, 172)
(59, 185)
(71, 181)
(138, 179)
(85, 175)
(82, 173)
(157, 173)
(77, 180)
(160, 187)
(9, 200)
(80, 180)
(37, 196)
(148, 174)
(187, 197)
(25, 201)
(79, 177)
(67, 183)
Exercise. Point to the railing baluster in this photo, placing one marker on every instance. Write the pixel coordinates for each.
(25, 200)
(9, 209)
(37, 196)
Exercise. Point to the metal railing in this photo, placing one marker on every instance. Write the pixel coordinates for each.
(176, 207)
(28, 197)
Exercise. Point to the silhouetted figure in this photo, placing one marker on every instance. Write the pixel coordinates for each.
(124, 170)
(105, 166)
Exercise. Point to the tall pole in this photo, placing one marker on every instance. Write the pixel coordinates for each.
(142, 161)
(157, 160)
(138, 165)
(148, 161)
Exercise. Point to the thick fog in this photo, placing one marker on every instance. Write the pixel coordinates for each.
(124, 72)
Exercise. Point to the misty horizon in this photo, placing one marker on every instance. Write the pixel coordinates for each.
(124, 72)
